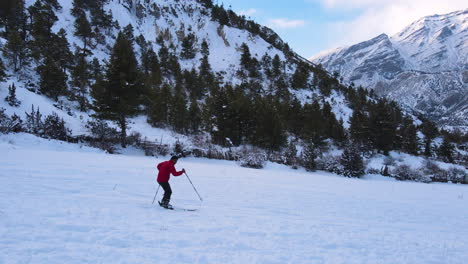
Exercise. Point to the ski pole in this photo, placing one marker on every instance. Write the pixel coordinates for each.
(193, 187)
(156, 193)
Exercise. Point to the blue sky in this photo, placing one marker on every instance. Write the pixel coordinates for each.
(312, 26)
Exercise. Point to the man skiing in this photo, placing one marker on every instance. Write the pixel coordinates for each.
(167, 168)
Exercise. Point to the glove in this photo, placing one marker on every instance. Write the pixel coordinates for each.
(183, 170)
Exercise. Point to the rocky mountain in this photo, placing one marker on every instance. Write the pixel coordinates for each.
(424, 67)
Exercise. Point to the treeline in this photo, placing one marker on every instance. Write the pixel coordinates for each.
(227, 17)
(260, 111)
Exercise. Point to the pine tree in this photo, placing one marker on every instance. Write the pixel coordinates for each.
(53, 81)
(245, 60)
(269, 131)
(84, 32)
(120, 93)
(276, 66)
(54, 127)
(194, 117)
(430, 131)
(42, 19)
(3, 74)
(11, 98)
(446, 151)
(80, 80)
(300, 76)
(178, 111)
(60, 50)
(409, 138)
(188, 50)
(382, 124)
(16, 50)
(309, 156)
(352, 162)
(34, 123)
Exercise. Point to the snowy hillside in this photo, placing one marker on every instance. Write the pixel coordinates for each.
(62, 203)
(423, 67)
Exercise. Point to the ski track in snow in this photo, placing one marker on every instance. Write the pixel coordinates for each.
(63, 204)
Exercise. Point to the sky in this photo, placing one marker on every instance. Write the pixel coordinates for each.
(313, 26)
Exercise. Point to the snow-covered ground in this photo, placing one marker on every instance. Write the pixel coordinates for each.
(62, 203)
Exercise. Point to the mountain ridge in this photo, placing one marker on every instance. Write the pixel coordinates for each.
(424, 67)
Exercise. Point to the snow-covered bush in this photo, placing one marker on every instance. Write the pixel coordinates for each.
(34, 124)
(457, 175)
(252, 157)
(11, 98)
(330, 163)
(406, 173)
(103, 136)
(432, 172)
(7, 125)
(54, 128)
(134, 139)
(372, 171)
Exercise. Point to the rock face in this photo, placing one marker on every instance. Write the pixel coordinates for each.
(424, 67)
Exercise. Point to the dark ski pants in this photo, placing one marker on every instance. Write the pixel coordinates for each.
(167, 190)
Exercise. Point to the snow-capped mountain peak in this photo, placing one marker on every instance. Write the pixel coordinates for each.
(424, 67)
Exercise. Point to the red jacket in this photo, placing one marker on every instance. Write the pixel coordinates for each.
(165, 169)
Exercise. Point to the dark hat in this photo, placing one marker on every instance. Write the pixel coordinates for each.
(174, 157)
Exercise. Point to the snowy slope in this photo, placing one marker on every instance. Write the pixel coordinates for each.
(424, 67)
(60, 203)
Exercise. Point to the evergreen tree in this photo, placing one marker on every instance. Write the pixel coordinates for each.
(3, 74)
(119, 97)
(34, 123)
(52, 79)
(151, 68)
(164, 55)
(382, 126)
(16, 50)
(269, 131)
(11, 98)
(359, 126)
(276, 65)
(205, 49)
(430, 131)
(446, 151)
(42, 19)
(96, 70)
(194, 117)
(352, 162)
(54, 127)
(12, 16)
(128, 32)
(160, 104)
(84, 32)
(409, 138)
(178, 111)
(245, 60)
(309, 156)
(80, 80)
(266, 66)
(300, 76)
(313, 129)
(60, 50)
(188, 50)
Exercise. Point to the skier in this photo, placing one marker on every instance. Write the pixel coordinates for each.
(165, 169)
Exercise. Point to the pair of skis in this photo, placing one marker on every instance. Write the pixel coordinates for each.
(177, 209)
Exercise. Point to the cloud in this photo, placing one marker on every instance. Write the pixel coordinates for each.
(248, 12)
(283, 23)
(376, 17)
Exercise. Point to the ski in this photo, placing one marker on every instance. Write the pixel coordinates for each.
(178, 209)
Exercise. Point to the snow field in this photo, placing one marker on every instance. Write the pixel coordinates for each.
(60, 203)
